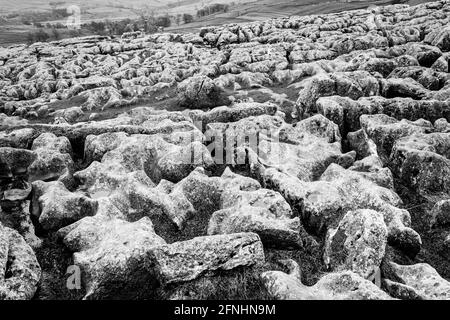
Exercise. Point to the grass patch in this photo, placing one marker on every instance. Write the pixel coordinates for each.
(238, 284)
(433, 250)
(54, 258)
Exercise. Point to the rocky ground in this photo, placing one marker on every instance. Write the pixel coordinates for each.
(298, 158)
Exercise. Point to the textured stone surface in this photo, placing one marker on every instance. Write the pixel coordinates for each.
(19, 269)
(54, 161)
(112, 256)
(345, 285)
(187, 260)
(422, 161)
(418, 281)
(16, 161)
(167, 158)
(254, 209)
(55, 207)
(358, 244)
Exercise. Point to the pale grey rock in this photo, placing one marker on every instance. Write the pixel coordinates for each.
(71, 114)
(200, 92)
(344, 285)
(422, 161)
(341, 190)
(384, 131)
(187, 260)
(357, 244)
(17, 161)
(257, 210)
(19, 269)
(55, 207)
(54, 160)
(21, 138)
(419, 280)
(15, 213)
(113, 256)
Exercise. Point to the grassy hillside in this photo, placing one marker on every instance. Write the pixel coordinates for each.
(18, 18)
(266, 9)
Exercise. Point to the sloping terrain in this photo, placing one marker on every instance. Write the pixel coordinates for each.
(248, 11)
(295, 158)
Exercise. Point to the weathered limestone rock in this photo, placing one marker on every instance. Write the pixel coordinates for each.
(371, 168)
(21, 138)
(428, 78)
(138, 197)
(363, 146)
(278, 232)
(113, 256)
(55, 207)
(406, 88)
(422, 162)
(54, 161)
(17, 161)
(347, 112)
(15, 211)
(339, 121)
(19, 270)
(442, 125)
(11, 121)
(187, 260)
(232, 114)
(384, 131)
(303, 150)
(96, 146)
(439, 38)
(363, 193)
(158, 158)
(358, 243)
(71, 114)
(253, 209)
(345, 285)
(338, 190)
(200, 92)
(418, 281)
(425, 54)
(202, 191)
(354, 85)
(177, 163)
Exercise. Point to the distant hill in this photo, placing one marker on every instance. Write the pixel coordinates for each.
(163, 6)
(265, 9)
(20, 18)
(244, 9)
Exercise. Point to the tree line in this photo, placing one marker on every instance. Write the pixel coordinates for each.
(213, 8)
(147, 22)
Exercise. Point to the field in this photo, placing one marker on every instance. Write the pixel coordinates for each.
(303, 158)
(266, 9)
(16, 18)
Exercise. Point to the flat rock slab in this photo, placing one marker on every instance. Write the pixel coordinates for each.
(187, 260)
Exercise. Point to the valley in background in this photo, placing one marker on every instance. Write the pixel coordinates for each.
(32, 21)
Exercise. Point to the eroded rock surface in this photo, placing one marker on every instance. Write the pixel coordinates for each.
(345, 285)
(55, 207)
(168, 162)
(358, 244)
(112, 256)
(418, 281)
(187, 260)
(19, 269)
